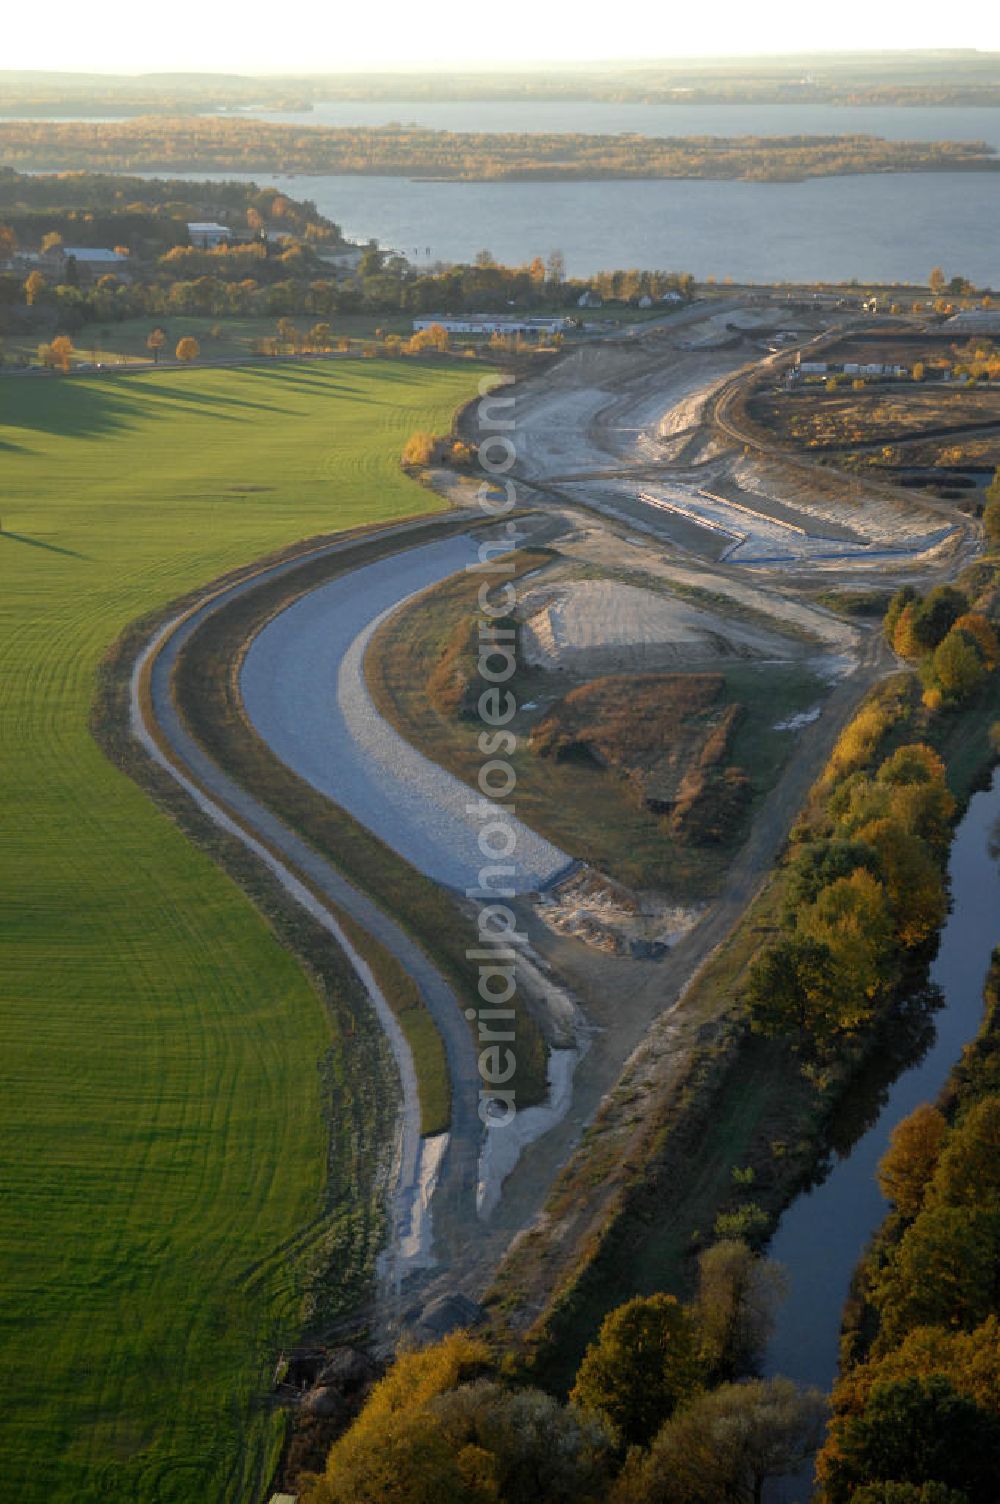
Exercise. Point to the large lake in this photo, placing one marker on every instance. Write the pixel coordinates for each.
(904, 123)
(893, 227)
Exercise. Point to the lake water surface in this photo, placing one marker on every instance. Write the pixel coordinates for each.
(896, 123)
(902, 123)
(892, 228)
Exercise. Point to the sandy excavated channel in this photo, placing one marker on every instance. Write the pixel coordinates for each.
(304, 690)
(610, 422)
(628, 386)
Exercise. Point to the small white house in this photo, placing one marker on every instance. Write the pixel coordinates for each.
(645, 301)
(206, 235)
(590, 299)
(671, 297)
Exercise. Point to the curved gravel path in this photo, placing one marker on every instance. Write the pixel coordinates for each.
(303, 687)
(428, 1176)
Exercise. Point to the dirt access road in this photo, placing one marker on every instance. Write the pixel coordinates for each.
(424, 1171)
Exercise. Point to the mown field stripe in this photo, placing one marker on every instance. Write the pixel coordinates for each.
(166, 1065)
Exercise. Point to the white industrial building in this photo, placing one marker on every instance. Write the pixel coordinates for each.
(485, 323)
(206, 236)
(849, 368)
(91, 262)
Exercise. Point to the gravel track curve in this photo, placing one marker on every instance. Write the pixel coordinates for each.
(157, 726)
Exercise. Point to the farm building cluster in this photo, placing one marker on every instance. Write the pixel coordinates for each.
(814, 367)
(936, 354)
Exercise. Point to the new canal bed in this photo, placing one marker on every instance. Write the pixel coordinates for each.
(303, 687)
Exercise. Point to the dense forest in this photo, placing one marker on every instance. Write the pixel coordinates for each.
(153, 144)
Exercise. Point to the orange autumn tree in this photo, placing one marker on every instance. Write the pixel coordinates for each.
(906, 1167)
(981, 633)
(61, 348)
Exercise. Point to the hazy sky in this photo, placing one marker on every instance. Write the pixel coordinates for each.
(196, 35)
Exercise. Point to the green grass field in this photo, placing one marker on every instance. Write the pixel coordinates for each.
(124, 342)
(233, 338)
(162, 1137)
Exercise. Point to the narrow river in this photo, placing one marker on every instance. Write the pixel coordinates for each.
(824, 1232)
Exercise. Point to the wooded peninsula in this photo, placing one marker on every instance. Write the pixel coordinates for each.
(153, 144)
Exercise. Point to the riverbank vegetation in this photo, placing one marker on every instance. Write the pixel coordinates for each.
(919, 1393)
(226, 144)
(957, 648)
(661, 1411)
(863, 888)
(192, 1145)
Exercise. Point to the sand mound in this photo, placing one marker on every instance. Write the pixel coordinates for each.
(599, 626)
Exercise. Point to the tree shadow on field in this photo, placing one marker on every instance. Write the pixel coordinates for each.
(72, 409)
(187, 401)
(52, 548)
(104, 405)
(299, 380)
(321, 378)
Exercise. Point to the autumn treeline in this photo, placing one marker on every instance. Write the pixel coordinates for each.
(288, 275)
(153, 144)
(863, 886)
(91, 193)
(87, 202)
(663, 1410)
(918, 1400)
(240, 284)
(946, 81)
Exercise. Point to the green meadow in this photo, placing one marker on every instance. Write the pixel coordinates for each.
(162, 1142)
